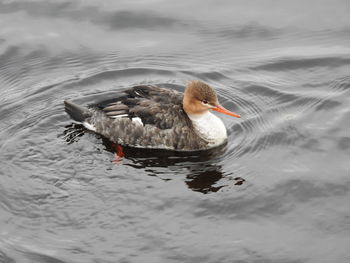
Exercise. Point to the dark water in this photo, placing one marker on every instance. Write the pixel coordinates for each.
(278, 192)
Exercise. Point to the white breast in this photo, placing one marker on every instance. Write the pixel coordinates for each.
(210, 128)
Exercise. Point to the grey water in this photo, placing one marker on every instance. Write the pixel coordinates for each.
(279, 191)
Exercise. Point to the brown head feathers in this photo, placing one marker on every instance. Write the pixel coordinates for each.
(199, 98)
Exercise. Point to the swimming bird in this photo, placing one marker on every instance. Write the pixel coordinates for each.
(148, 116)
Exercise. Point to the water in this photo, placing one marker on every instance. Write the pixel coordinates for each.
(278, 192)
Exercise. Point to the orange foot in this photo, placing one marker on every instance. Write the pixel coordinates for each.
(119, 154)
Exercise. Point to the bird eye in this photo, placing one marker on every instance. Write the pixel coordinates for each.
(205, 102)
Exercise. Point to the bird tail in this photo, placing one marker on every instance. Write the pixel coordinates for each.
(76, 112)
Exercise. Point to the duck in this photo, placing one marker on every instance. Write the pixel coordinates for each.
(148, 116)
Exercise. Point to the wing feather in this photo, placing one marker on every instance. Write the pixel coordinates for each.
(153, 105)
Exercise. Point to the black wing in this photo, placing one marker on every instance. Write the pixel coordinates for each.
(153, 105)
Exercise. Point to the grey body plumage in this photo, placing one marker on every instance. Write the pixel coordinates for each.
(164, 123)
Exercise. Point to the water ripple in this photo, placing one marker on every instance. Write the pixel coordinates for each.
(301, 63)
(60, 193)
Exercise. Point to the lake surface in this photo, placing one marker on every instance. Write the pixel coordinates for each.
(278, 192)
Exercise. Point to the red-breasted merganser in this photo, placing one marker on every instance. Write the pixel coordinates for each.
(158, 118)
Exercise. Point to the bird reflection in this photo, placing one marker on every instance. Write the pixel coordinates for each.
(204, 181)
(203, 172)
(202, 169)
